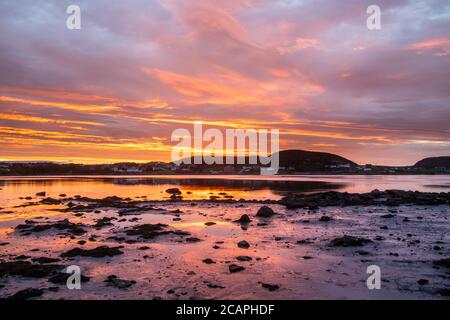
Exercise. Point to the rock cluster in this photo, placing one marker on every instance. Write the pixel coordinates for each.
(375, 197)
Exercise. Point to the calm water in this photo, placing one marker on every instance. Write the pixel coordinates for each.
(202, 187)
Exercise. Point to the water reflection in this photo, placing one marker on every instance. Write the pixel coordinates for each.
(203, 187)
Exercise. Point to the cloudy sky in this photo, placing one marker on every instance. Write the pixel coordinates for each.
(116, 89)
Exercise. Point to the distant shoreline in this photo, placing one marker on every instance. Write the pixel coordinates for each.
(131, 175)
(290, 162)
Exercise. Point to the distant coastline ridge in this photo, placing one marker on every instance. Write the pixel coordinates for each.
(291, 162)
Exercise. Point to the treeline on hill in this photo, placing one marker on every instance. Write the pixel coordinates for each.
(297, 159)
(434, 162)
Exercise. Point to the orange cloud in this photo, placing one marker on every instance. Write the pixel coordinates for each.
(298, 45)
(439, 47)
(230, 88)
(27, 118)
(62, 105)
(24, 136)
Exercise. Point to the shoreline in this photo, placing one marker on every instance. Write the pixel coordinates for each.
(299, 174)
(293, 200)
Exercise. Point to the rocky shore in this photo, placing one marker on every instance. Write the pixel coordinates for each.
(373, 198)
(193, 244)
(129, 206)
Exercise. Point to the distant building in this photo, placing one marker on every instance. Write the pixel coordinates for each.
(126, 169)
(340, 166)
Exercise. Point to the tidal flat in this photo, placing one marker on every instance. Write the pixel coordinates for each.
(298, 246)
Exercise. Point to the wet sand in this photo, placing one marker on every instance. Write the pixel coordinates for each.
(197, 250)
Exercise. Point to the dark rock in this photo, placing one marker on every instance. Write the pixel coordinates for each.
(423, 282)
(215, 286)
(192, 239)
(243, 219)
(394, 254)
(151, 231)
(99, 252)
(387, 216)
(50, 201)
(27, 294)
(304, 241)
(235, 268)
(325, 218)
(45, 260)
(41, 194)
(135, 210)
(61, 278)
(442, 263)
(27, 269)
(65, 225)
(243, 258)
(22, 257)
(173, 191)
(388, 198)
(119, 283)
(270, 287)
(243, 244)
(349, 241)
(265, 212)
(209, 223)
(103, 222)
(208, 261)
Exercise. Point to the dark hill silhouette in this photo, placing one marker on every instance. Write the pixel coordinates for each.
(302, 160)
(312, 161)
(434, 162)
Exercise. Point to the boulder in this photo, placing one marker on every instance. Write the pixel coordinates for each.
(243, 244)
(349, 241)
(265, 212)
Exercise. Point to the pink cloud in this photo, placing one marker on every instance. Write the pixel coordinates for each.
(438, 47)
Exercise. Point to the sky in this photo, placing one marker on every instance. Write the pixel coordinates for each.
(116, 89)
